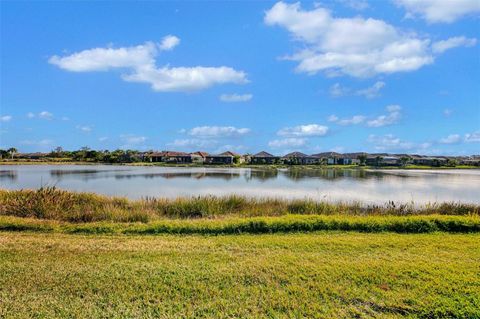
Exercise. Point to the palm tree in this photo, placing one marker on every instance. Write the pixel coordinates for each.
(404, 160)
(362, 158)
(12, 151)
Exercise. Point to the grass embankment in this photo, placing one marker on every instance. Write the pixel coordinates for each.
(316, 275)
(54, 210)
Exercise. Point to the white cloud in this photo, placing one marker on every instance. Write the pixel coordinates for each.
(5, 118)
(45, 115)
(104, 59)
(451, 139)
(30, 115)
(169, 42)
(130, 139)
(357, 46)
(218, 131)
(235, 97)
(444, 45)
(103, 139)
(390, 142)
(139, 65)
(472, 137)
(84, 128)
(185, 79)
(288, 142)
(372, 91)
(392, 117)
(435, 11)
(304, 130)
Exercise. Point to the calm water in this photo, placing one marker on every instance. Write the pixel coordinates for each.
(371, 186)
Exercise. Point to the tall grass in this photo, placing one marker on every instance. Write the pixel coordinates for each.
(255, 225)
(55, 204)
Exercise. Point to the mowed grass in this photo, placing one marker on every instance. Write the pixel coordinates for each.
(297, 275)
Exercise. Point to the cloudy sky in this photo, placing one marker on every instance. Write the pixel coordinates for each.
(339, 75)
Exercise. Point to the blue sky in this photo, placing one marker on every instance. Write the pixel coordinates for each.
(344, 75)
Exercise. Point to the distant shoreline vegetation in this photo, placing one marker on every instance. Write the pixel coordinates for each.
(86, 155)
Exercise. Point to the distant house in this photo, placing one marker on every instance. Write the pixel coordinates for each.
(382, 160)
(198, 157)
(430, 161)
(36, 155)
(330, 158)
(264, 158)
(223, 158)
(169, 157)
(300, 158)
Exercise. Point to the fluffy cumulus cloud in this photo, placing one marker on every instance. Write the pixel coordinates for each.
(218, 131)
(288, 142)
(169, 42)
(359, 47)
(390, 142)
(308, 130)
(444, 45)
(436, 11)
(451, 139)
(392, 117)
(5, 118)
(139, 65)
(233, 98)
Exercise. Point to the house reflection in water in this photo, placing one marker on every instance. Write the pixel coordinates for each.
(8, 175)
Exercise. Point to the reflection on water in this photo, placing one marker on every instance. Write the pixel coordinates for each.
(8, 175)
(373, 186)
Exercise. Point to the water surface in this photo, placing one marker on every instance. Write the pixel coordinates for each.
(369, 186)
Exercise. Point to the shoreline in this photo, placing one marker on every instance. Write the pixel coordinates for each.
(145, 164)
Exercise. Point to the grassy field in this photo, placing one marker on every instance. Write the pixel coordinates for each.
(81, 255)
(316, 275)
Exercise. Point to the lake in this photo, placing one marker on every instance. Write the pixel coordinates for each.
(368, 186)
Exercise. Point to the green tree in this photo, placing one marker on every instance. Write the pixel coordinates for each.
(12, 151)
(404, 160)
(362, 158)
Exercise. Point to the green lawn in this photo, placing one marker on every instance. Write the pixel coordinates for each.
(297, 275)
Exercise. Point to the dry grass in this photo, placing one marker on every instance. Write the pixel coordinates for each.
(55, 204)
